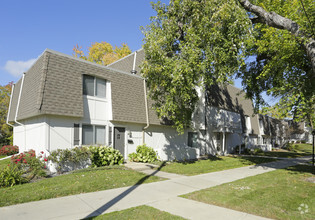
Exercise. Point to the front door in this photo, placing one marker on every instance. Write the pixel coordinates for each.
(119, 140)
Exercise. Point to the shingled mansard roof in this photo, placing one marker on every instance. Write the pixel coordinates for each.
(53, 86)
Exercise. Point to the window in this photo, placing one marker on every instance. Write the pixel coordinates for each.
(218, 136)
(93, 135)
(100, 135)
(94, 86)
(192, 139)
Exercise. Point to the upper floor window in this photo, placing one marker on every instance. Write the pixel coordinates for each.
(94, 86)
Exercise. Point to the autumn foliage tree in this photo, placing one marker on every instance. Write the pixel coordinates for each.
(102, 53)
(5, 130)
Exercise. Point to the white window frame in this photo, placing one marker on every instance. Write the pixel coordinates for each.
(95, 86)
(94, 133)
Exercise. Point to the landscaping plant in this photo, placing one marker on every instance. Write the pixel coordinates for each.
(144, 154)
(30, 165)
(104, 156)
(10, 176)
(75, 155)
(9, 150)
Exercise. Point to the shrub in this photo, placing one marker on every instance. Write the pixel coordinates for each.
(258, 151)
(10, 176)
(289, 147)
(247, 151)
(303, 141)
(9, 150)
(104, 156)
(75, 155)
(29, 164)
(144, 154)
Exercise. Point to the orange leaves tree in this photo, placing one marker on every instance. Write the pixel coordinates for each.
(102, 53)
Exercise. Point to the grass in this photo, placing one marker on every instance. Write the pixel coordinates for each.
(4, 163)
(2, 156)
(277, 194)
(212, 164)
(139, 213)
(299, 150)
(82, 181)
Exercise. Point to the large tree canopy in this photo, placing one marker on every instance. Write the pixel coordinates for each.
(102, 53)
(198, 43)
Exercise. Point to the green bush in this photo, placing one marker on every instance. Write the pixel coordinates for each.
(258, 151)
(247, 151)
(104, 156)
(144, 154)
(10, 176)
(75, 155)
(303, 141)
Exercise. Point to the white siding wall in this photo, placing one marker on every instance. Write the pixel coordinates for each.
(164, 139)
(30, 135)
(217, 119)
(98, 110)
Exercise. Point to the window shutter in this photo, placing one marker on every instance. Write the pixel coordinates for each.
(76, 134)
(110, 131)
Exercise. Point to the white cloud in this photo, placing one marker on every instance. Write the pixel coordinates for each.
(17, 68)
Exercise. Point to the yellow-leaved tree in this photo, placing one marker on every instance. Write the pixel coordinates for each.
(102, 53)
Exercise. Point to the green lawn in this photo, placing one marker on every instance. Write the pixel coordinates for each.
(138, 213)
(4, 163)
(2, 156)
(299, 150)
(211, 164)
(277, 194)
(82, 181)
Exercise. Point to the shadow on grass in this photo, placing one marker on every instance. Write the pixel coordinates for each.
(112, 202)
(206, 157)
(249, 160)
(301, 169)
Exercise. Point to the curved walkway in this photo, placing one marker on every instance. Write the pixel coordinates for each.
(161, 195)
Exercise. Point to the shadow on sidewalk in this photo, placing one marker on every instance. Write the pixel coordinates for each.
(121, 196)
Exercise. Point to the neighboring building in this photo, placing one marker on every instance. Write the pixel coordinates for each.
(63, 101)
(299, 131)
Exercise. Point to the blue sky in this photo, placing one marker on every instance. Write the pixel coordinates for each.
(29, 27)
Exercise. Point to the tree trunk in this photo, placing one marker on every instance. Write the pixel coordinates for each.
(272, 19)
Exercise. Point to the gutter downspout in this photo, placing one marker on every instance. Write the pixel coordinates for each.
(146, 110)
(10, 106)
(19, 99)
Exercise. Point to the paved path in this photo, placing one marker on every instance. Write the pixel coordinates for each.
(161, 195)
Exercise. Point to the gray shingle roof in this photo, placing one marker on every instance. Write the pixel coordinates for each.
(126, 64)
(14, 100)
(54, 86)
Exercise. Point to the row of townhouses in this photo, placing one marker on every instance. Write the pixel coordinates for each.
(63, 101)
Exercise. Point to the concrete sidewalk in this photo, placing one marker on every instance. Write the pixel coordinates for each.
(161, 195)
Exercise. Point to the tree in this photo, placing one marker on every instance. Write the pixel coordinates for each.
(102, 53)
(284, 53)
(5, 130)
(198, 43)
